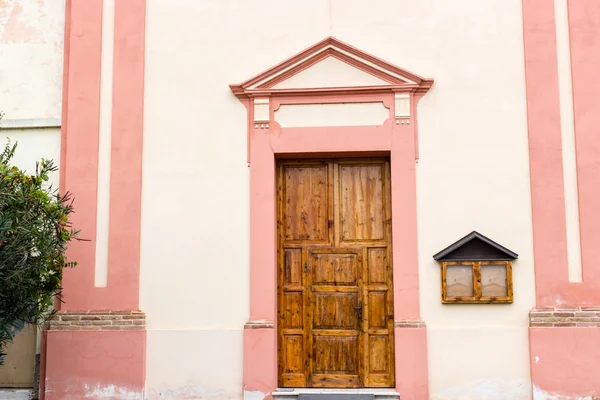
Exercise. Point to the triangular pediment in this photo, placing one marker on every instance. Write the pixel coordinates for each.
(332, 65)
(330, 72)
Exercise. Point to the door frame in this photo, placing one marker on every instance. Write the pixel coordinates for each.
(396, 137)
(334, 243)
(398, 141)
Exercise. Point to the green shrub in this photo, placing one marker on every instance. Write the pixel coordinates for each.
(34, 235)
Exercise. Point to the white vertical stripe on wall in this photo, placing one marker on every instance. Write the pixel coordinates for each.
(104, 143)
(569, 154)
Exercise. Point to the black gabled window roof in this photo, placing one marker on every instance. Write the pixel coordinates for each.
(475, 247)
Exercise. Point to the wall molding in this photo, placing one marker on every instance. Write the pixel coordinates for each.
(30, 123)
(584, 316)
(259, 324)
(409, 323)
(85, 320)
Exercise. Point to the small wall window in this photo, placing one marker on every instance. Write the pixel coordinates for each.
(476, 269)
(477, 282)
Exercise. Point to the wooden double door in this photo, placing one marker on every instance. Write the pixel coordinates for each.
(335, 297)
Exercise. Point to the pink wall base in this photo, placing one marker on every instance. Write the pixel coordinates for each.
(565, 362)
(411, 363)
(260, 360)
(95, 364)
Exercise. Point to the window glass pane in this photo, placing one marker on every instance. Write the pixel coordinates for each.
(493, 281)
(459, 281)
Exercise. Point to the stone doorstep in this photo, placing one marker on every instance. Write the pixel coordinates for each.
(378, 394)
(16, 394)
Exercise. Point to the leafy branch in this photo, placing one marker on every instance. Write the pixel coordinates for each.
(35, 233)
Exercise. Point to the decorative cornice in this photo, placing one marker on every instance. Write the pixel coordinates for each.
(343, 90)
(400, 80)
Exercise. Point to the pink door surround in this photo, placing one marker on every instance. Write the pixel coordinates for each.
(267, 140)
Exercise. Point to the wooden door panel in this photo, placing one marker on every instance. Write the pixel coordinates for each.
(362, 202)
(335, 311)
(292, 266)
(377, 310)
(335, 269)
(294, 353)
(377, 263)
(334, 381)
(335, 355)
(336, 323)
(305, 203)
(335, 305)
(335, 361)
(380, 322)
(293, 310)
(378, 357)
(292, 356)
(292, 342)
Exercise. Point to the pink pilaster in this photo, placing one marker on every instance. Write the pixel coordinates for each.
(563, 343)
(82, 359)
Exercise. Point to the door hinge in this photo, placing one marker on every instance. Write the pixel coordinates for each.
(305, 266)
(306, 365)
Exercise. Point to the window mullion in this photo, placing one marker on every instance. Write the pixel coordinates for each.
(477, 280)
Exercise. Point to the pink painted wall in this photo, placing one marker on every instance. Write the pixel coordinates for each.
(263, 244)
(412, 381)
(584, 32)
(87, 363)
(79, 161)
(545, 148)
(95, 364)
(260, 360)
(563, 359)
(564, 363)
(126, 157)
(80, 151)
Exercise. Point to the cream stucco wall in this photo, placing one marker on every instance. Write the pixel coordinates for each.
(472, 175)
(31, 54)
(31, 58)
(195, 221)
(32, 146)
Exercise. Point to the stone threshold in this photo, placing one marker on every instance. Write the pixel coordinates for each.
(291, 393)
